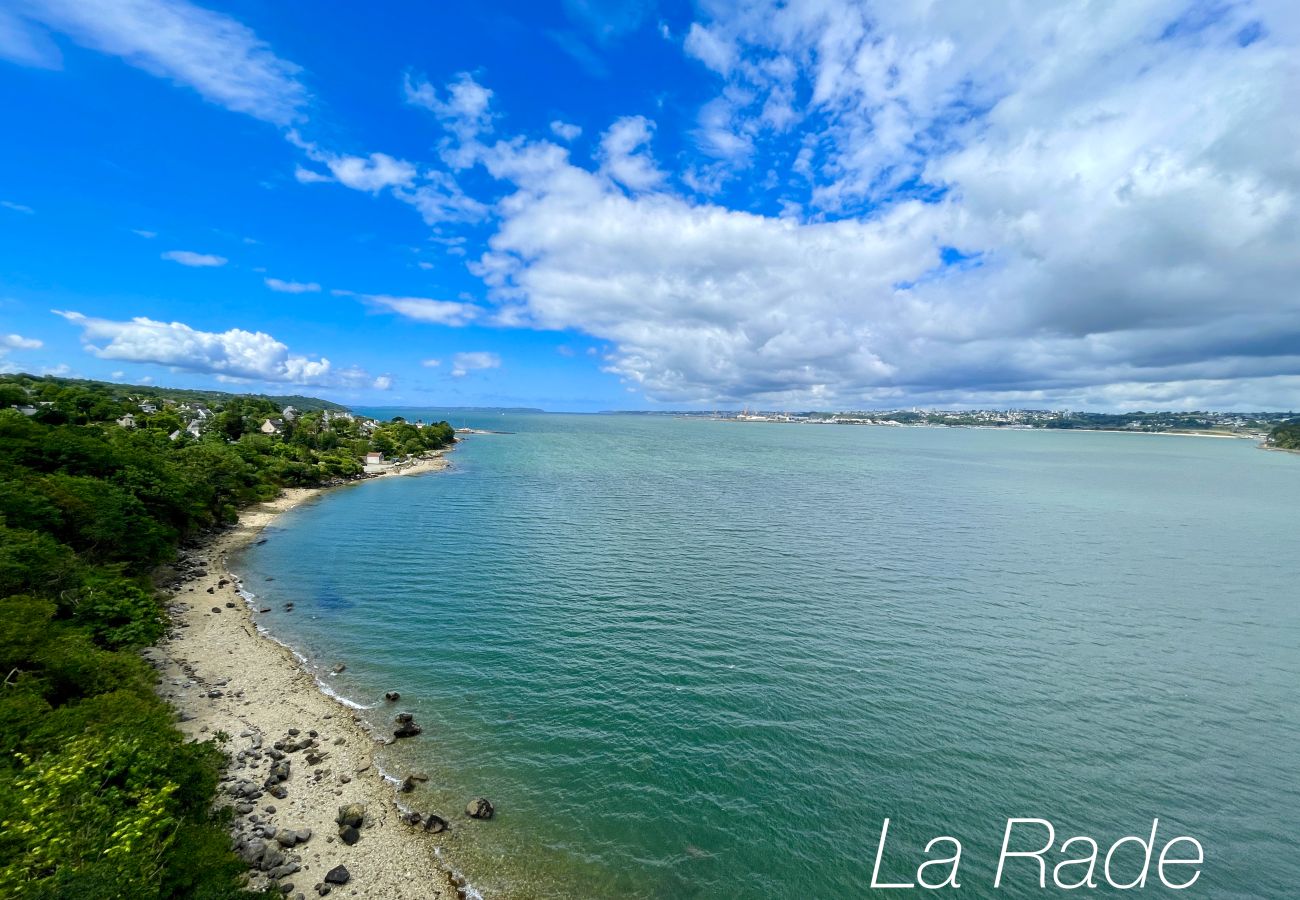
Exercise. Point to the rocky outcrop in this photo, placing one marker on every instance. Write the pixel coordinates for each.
(350, 818)
(406, 726)
(432, 823)
(480, 808)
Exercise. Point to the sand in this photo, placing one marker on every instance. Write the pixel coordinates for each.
(223, 676)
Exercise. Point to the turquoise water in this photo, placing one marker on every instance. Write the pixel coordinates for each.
(695, 659)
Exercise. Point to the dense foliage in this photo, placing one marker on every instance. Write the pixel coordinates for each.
(100, 795)
(1286, 436)
(51, 388)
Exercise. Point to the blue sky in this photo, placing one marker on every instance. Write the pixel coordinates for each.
(586, 205)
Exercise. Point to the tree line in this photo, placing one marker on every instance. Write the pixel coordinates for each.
(100, 795)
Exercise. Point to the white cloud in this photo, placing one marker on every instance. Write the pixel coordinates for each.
(466, 112)
(26, 44)
(382, 383)
(196, 260)
(431, 363)
(1075, 161)
(292, 287)
(17, 207)
(715, 52)
(625, 154)
(423, 309)
(307, 176)
(232, 354)
(464, 363)
(214, 54)
(18, 342)
(565, 131)
(147, 235)
(370, 173)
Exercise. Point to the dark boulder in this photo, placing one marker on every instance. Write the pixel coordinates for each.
(406, 726)
(480, 808)
(337, 875)
(392, 696)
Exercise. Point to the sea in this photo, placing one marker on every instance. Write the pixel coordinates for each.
(691, 658)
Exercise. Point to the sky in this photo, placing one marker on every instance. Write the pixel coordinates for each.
(587, 205)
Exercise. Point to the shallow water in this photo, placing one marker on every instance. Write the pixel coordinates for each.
(705, 659)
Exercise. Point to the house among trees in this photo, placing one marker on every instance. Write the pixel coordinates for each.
(148, 408)
(127, 421)
(290, 413)
(273, 426)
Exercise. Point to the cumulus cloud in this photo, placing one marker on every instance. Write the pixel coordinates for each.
(18, 342)
(383, 383)
(370, 173)
(217, 56)
(994, 208)
(463, 108)
(195, 260)
(431, 363)
(434, 193)
(464, 363)
(422, 309)
(292, 287)
(232, 354)
(625, 154)
(565, 131)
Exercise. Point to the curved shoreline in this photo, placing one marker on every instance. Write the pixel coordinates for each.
(225, 674)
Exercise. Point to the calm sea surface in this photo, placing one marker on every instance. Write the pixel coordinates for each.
(695, 659)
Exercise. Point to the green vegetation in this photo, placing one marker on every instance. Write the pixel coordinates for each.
(48, 387)
(1286, 436)
(100, 795)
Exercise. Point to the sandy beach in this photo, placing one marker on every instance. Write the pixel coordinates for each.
(224, 677)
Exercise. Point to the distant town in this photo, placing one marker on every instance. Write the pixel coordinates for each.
(1253, 425)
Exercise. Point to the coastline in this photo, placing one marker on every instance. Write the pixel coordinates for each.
(224, 675)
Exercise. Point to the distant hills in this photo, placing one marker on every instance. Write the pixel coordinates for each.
(180, 395)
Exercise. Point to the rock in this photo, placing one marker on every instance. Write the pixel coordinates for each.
(351, 814)
(337, 875)
(479, 809)
(432, 823)
(230, 604)
(279, 772)
(407, 785)
(339, 667)
(406, 726)
(278, 791)
(323, 889)
(286, 837)
(216, 609)
(349, 834)
(293, 732)
(392, 696)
